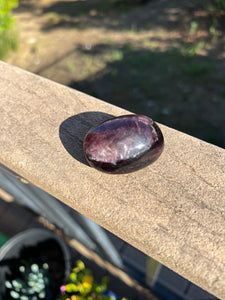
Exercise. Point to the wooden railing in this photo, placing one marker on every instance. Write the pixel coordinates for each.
(173, 210)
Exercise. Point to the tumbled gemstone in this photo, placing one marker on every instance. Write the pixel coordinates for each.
(123, 144)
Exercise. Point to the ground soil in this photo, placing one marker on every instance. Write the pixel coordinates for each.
(161, 58)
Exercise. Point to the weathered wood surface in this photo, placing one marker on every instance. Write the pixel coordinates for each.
(173, 210)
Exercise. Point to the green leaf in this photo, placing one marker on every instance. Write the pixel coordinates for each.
(45, 266)
(8, 284)
(73, 277)
(22, 269)
(23, 297)
(34, 268)
(71, 287)
(14, 294)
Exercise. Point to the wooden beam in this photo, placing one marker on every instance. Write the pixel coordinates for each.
(173, 210)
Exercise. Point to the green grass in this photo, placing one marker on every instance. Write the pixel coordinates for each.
(8, 42)
(70, 66)
(8, 37)
(213, 29)
(117, 55)
(193, 27)
(214, 6)
(196, 68)
(193, 49)
(141, 61)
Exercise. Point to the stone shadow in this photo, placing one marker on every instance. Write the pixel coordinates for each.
(72, 132)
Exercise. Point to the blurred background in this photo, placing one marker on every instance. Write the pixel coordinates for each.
(161, 58)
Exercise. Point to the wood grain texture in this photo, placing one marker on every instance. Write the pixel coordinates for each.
(173, 210)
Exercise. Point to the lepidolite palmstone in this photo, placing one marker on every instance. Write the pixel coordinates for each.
(123, 144)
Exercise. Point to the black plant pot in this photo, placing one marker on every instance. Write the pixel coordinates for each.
(37, 246)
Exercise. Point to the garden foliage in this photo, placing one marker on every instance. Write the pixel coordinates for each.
(214, 6)
(7, 35)
(6, 18)
(219, 4)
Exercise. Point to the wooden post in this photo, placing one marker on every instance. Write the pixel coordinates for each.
(173, 210)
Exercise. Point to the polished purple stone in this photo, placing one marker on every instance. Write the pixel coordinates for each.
(123, 144)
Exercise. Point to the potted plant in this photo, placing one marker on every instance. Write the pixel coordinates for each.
(33, 266)
(81, 285)
(33, 282)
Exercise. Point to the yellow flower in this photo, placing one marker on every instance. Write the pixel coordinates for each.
(86, 284)
(73, 297)
(87, 279)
